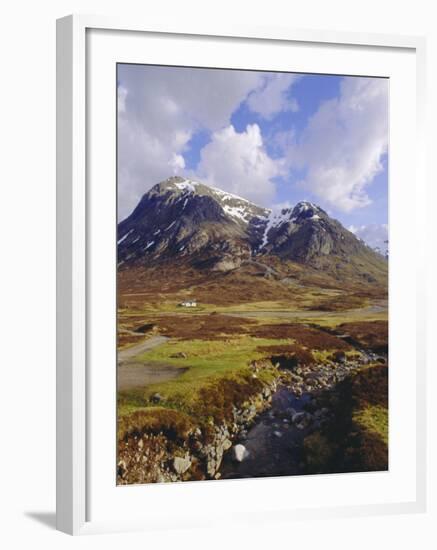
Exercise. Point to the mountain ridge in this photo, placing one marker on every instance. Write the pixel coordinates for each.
(211, 229)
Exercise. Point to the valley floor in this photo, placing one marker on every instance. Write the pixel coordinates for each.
(276, 381)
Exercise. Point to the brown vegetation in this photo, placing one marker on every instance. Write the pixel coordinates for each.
(356, 438)
(173, 424)
(372, 335)
(308, 337)
(288, 355)
(339, 303)
(202, 327)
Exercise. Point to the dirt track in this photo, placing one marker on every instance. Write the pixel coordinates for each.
(129, 353)
(138, 375)
(132, 373)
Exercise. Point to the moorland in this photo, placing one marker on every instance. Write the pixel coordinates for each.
(280, 367)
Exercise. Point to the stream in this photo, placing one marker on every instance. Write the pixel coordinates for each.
(273, 443)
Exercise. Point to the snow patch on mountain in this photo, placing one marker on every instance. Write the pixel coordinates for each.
(187, 185)
(275, 219)
(226, 196)
(124, 237)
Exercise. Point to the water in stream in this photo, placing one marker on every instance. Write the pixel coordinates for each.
(273, 443)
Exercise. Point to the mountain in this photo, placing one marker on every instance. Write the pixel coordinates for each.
(207, 228)
(185, 218)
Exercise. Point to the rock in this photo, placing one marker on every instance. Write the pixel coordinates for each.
(227, 444)
(179, 355)
(239, 452)
(140, 444)
(156, 398)
(301, 420)
(277, 434)
(339, 356)
(181, 464)
(122, 468)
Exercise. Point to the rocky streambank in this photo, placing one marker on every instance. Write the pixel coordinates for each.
(263, 436)
(304, 404)
(193, 452)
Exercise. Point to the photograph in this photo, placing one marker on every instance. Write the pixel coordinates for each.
(252, 273)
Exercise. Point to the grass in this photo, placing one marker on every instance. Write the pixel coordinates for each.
(217, 371)
(271, 317)
(356, 439)
(217, 348)
(174, 424)
(373, 419)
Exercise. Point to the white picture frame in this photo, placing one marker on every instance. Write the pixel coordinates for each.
(73, 342)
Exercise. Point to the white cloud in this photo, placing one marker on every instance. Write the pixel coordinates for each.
(177, 163)
(375, 235)
(238, 163)
(344, 142)
(272, 96)
(159, 109)
(121, 97)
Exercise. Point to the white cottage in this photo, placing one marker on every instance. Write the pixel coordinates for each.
(189, 303)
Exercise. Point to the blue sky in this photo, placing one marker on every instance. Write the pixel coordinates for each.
(273, 138)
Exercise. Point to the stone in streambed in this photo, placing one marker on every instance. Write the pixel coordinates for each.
(239, 452)
(302, 420)
(181, 464)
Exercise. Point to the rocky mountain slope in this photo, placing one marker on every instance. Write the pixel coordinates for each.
(207, 228)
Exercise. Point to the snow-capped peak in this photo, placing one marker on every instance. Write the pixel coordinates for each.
(187, 185)
(237, 208)
(304, 207)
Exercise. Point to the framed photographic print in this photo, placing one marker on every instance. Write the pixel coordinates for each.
(238, 320)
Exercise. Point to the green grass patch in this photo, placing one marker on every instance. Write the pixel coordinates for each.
(373, 419)
(217, 378)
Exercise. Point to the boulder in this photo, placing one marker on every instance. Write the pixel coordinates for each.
(156, 398)
(181, 464)
(239, 452)
(301, 420)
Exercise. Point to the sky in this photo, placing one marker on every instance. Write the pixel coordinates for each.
(272, 138)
